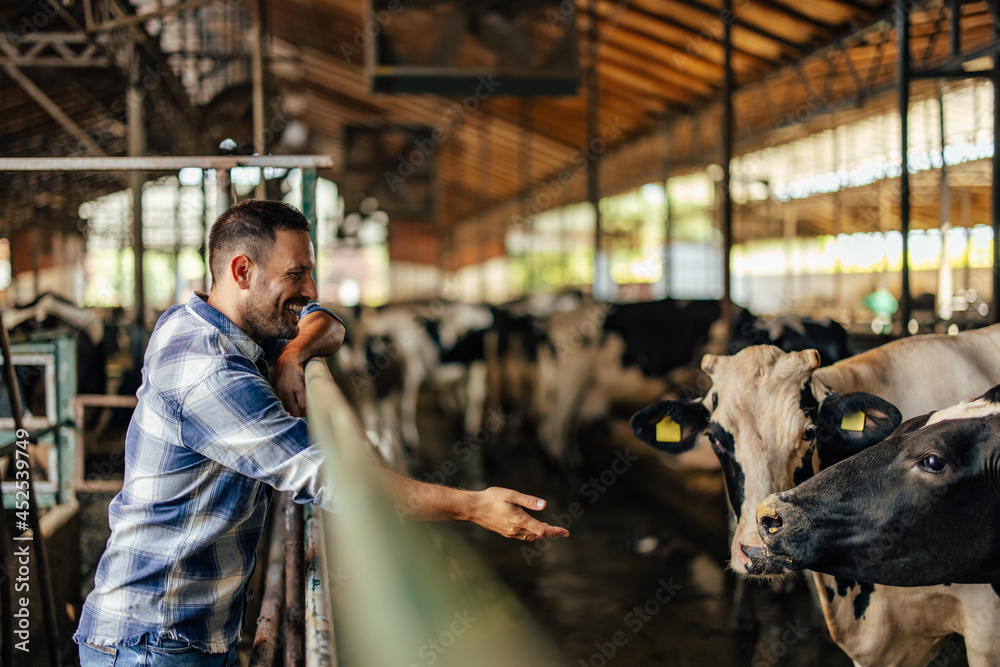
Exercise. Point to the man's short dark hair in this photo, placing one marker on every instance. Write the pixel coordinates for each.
(248, 228)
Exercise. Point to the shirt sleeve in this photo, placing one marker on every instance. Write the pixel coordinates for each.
(234, 418)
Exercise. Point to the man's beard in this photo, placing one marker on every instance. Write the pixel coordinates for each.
(265, 317)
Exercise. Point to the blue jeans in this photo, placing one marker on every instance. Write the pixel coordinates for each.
(170, 653)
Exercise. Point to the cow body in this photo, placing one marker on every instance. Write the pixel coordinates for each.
(921, 507)
(763, 418)
(607, 354)
(441, 343)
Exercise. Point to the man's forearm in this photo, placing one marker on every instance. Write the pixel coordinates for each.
(428, 502)
(320, 335)
(497, 509)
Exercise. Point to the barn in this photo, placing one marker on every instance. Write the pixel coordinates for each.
(428, 332)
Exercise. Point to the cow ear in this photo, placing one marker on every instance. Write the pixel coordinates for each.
(672, 426)
(849, 423)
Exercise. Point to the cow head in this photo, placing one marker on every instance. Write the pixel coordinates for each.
(921, 508)
(772, 425)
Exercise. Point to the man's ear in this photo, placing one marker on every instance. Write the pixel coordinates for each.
(241, 268)
(672, 426)
(849, 423)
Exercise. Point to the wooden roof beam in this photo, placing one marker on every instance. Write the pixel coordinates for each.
(791, 47)
(691, 33)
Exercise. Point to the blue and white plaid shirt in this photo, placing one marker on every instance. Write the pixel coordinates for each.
(208, 436)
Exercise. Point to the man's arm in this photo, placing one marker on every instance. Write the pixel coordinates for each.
(495, 508)
(320, 335)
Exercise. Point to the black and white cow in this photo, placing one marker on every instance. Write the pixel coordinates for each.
(920, 508)
(607, 354)
(764, 417)
(440, 342)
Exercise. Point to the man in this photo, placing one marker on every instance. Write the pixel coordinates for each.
(208, 437)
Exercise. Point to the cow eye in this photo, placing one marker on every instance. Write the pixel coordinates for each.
(932, 463)
(810, 432)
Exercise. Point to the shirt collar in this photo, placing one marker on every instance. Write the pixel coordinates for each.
(198, 304)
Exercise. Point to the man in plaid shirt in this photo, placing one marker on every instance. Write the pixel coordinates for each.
(211, 435)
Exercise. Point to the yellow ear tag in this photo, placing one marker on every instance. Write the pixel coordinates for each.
(668, 430)
(854, 421)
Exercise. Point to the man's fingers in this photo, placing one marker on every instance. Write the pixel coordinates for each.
(555, 531)
(537, 530)
(526, 501)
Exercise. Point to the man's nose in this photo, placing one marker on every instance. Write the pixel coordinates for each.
(309, 288)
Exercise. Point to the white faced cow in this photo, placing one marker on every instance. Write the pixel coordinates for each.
(922, 507)
(763, 416)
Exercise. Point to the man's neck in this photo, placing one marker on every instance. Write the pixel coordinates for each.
(228, 307)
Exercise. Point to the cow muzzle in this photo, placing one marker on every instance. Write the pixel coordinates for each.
(764, 563)
(780, 526)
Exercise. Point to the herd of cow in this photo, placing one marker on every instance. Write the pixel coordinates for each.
(545, 364)
(866, 471)
(898, 521)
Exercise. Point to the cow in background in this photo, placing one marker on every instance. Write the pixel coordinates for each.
(410, 346)
(601, 357)
(604, 354)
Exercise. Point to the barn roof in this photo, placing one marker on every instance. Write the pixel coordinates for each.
(660, 77)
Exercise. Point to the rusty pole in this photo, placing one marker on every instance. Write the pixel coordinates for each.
(295, 615)
(267, 641)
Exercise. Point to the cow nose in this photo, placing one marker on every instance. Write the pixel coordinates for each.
(768, 519)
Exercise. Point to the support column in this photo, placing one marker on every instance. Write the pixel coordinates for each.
(995, 193)
(259, 80)
(206, 275)
(790, 228)
(36, 263)
(222, 183)
(903, 43)
(727, 158)
(524, 169)
(309, 210)
(946, 281)
(135, 100)
(602, 270)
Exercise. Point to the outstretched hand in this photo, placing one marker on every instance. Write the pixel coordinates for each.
(502, 511)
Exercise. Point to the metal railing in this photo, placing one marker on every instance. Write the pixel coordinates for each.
(405, 590)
